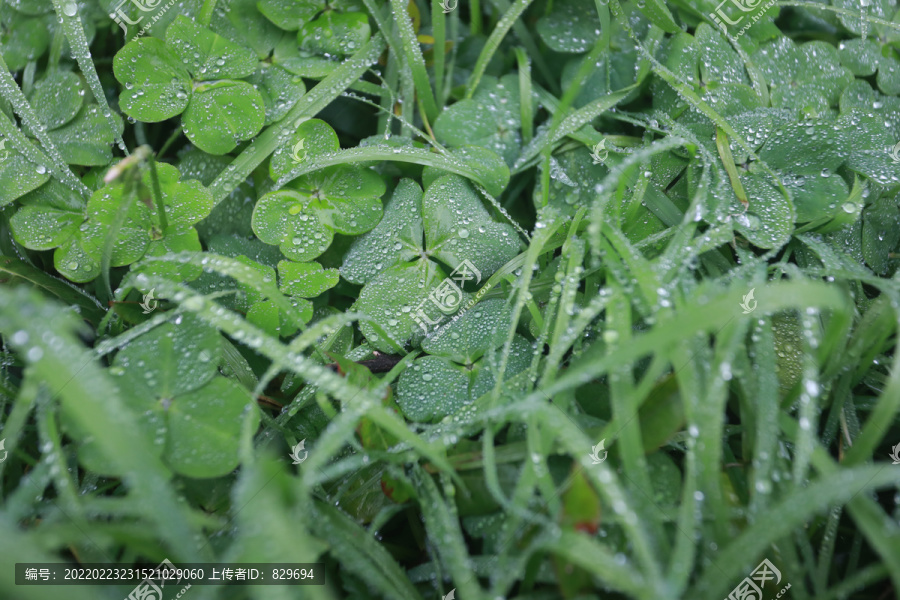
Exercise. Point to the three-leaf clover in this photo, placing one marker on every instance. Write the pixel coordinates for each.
(297, 281)
(169, 377)
(409, 254)
(195, 72)
(120, 219)
(302, 218)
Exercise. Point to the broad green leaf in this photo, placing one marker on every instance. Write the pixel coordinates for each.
(335, 33)
(869, 137)
(306, 280)
(573, 178)
(207, 55)
(348, 198)
(133, 236)
(873, 8)
(174, 241)
(74, 262)
(25, 39)
(860, 56)
(289, 14)
(435, 387)
(222, 114)
(718, 60)
(432, 388)
(57, 98)
(880, 234)
(285, 219)
(280, 90)
(186, 201)
(393, 298)
(18, 175)
(313, 137)
(204, 428)
(768, 222)
(520, 355)
(45, 336)
(659, 15)
(489, 119)
(465, 340)
(459, 228)
(253, 249)
(580, 504)
(817, 196)
(87, 140)
(170, 360)
(232, 214)
(243, 24)
(805, 148)
(49, 216)
(398, 237)
(888, 75)
(791, 68)
(572, 26)
(157, 86)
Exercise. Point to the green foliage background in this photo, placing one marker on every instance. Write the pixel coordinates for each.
(219, 218)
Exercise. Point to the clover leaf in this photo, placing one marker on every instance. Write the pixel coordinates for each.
(28, 27)
(18, 175)
(490, 119)
(335, 33)
(48, 216)
(572, 27)
(338, 27)
(302, 218)
(169, 376)
(79, 131)
(864, 57)
(455, 374)
(298, 281)
(802, 76)
(195, 72)
(404, 258)
(53, 217)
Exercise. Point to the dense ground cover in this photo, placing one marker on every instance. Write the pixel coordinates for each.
(541, 299)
